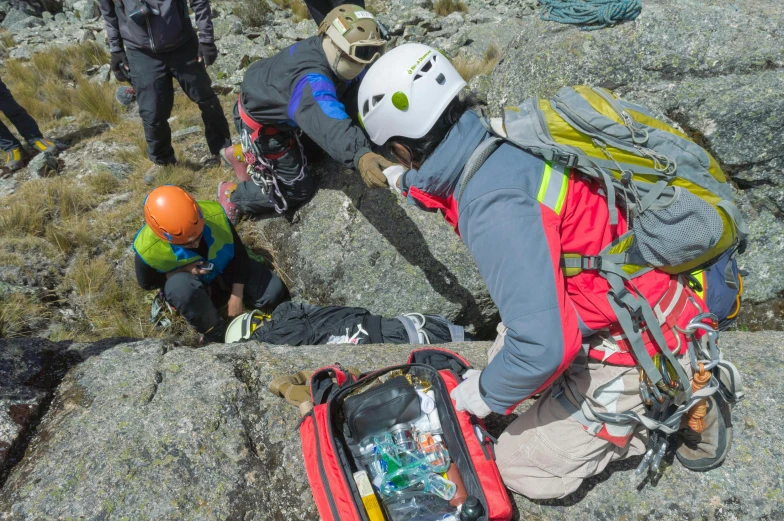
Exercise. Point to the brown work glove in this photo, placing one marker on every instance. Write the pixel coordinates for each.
(371, 168)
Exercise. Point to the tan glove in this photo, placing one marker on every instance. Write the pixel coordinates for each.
(371, 168)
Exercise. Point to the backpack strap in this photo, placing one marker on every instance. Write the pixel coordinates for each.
(476, 160)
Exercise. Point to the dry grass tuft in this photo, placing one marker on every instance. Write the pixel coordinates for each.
(446, 7)
(54, 81)
(6, 39)
(103, 183)
(253, 13)
(96, 100)
(16, 312)
(297, 7)
(471, 66)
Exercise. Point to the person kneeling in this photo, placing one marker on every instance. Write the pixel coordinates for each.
(190, 250)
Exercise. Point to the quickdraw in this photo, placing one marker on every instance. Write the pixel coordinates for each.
(261, 170)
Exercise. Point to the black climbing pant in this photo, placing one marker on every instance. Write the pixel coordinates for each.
(151, 77)
(23, 122)
(198, 302)
(294, 184)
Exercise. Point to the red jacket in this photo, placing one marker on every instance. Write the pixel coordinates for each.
(517, 216)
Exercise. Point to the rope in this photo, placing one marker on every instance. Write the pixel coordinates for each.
(590, 14)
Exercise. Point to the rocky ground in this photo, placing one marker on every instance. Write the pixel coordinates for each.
(117, 429)
(151, 430)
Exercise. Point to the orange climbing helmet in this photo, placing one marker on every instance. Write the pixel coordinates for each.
(173, 214)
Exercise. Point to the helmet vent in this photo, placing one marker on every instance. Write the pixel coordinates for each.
(377, 99)
(366, 107)
(427, 67)
(360, 28)
(441, 79)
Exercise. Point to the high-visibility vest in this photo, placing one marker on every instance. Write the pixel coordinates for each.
(166, 257)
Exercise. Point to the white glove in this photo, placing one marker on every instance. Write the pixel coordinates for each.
(467, 397)
(392, 174)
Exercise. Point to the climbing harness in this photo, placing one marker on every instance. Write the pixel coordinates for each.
(664, 410)
(261, 167)
(590, 14)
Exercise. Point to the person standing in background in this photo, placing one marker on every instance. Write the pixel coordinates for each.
(151, 43)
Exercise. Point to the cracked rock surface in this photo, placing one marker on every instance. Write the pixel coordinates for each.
(145, 430)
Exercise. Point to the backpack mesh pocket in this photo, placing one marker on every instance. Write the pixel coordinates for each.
(680, 232)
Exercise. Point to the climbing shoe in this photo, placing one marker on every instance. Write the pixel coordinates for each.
(40, 144)
(125, 95)
(225, 189)
(14, 159)
(234, 158)
(706, 450)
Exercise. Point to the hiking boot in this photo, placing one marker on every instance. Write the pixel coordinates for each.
(14, 159)
(225, 189)
(43, 145)
(233, 158)
(125, 95)
(153, 172)
(706, 450)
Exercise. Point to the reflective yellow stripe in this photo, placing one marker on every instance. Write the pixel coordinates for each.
(552, 191)
(562, 194)
(548, 168)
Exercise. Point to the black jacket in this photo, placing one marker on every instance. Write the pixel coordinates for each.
(164, 32)
(297, 88)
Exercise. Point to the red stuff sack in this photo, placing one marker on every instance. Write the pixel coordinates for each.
(329, 461)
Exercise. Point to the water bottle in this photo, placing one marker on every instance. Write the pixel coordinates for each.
(472, 509)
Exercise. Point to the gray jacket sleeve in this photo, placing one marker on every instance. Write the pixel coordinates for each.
(504, 230)
(316, 109)
(201, 8)
(112, 25)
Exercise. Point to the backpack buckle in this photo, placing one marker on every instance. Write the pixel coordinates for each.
(570, 160)
(591, 262)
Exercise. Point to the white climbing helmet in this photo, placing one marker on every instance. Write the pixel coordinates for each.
(242, 327)
(406, 91)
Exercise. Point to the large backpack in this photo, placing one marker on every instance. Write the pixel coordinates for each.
(677, 200)
(331, 455)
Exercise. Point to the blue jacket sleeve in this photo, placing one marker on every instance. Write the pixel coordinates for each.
(316, 109)
(505, 231)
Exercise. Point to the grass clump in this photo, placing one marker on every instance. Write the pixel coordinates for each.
(446, 7)
(6, 39)
(298, 9)
(17, 310)
(253, 13)
(54, 81)
(471, 66)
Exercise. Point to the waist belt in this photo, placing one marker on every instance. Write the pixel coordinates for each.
(668, 311)
(259, 129)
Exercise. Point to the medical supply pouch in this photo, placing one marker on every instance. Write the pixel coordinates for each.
(332, 454)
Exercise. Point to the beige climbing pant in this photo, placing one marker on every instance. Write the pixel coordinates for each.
(545, 453)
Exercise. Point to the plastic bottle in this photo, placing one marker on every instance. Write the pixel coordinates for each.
(461, 495)
(421, 476)
(472, 509)
(418, 507)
